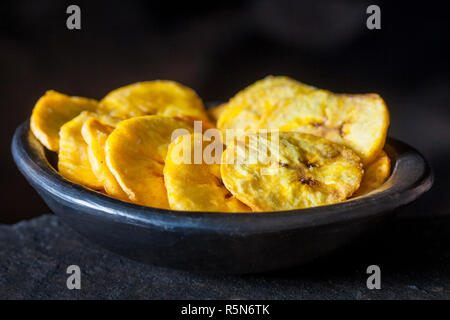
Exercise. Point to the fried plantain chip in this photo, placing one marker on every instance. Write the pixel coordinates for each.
(106, 119)
(205, 124)
(359, 122)
(375, 174)
(135, 154)
(95, 134)
(356, 121)
(73, 159)
(215, 112)
(51, 111)
(289, 170)
(159, 97)
(196, 187)
(245, 109)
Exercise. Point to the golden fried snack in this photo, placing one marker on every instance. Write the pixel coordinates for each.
(95, 134)
(51, 111)
(289, 171)
(245, 109)
(73, 159)
(107, 119)
(356, 121)
(359, 122)
(135, 154)
(215, 112)
(205, 124)
(196, 187)
(159, 97)
(375, 174)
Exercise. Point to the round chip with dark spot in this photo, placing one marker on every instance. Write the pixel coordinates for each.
(301, 171)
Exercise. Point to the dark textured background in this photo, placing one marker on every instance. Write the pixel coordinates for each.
(220, 47)
(35, 254)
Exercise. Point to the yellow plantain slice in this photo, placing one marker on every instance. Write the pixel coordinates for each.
(375, 174)
(106, 119)
(159, 97)
(135, 154)
(205, 124)
(359, 122)
(51, 111)
(196, 187)
(289, 171)
(245, 109)
(95, 134)
(215, 112)
(73, 159)
(356, 121)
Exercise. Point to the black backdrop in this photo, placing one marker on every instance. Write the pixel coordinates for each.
(219, 47)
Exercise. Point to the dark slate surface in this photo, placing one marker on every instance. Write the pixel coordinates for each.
(414, 256)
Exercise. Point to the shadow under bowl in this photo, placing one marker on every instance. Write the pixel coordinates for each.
(220, 242)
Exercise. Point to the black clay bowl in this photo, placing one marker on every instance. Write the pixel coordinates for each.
(220, 242)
